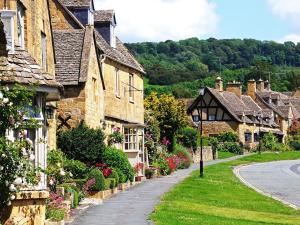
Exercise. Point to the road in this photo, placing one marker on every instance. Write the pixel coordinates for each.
(279, 179)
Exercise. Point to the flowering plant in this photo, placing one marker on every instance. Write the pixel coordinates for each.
(138, 167)
(116, 136)
(90, 183)
(165, 141)
(56, 208)
(104, 168)
(16, 156)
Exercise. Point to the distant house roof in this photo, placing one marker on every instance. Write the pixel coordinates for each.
(20, 67)
(103, 16)
(76, 3)
(120, 54)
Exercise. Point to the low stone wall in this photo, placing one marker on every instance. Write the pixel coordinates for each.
(207, 154)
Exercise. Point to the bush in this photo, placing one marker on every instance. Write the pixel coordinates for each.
(232, 147)
(99, 180)
(55, 214)
(184, 156)
(110, 183)
(78, 169)
(82, 143)
(228, 137)
(188, 137)
(116, 158)
(114, 174)
(162, 164)
(122, 177)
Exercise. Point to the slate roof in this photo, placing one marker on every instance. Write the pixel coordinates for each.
(120, 54)
(68, 45)
(76, 3)
(103, 16)
(20, 67)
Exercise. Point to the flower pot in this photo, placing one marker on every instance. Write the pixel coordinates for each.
(138, 178)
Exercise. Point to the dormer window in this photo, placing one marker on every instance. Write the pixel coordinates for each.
(8, 22)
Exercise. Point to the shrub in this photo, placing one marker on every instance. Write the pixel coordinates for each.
(82, 143)
(232, 147)
(116, 158)
(99, 180)
(188, 137)
(78, 169)
(122, 177)
(55, 214)
(228, 137)
(184, 156)
(110, 183)
(162, 164)
(114, 174)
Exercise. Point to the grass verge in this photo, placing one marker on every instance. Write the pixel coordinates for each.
(224, 155)
(220, 198)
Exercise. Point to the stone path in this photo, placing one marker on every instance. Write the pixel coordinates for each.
(279, 180)
(132, 207)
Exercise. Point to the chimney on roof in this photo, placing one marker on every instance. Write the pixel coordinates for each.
(235, 87)
(260, 85)
(251, 88)
(219, 84)
(267, 85)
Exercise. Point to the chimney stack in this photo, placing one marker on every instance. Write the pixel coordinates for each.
(267, 85)
(260, 85)
(219, 84)
(235, 87)
(251, 88)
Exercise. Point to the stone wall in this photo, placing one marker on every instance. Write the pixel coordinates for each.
(207, 154)
(213, 128)
(119, 106)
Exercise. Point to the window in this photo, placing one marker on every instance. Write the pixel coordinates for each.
(211, 117)
(8, 22)
(196, 118)
(256, 137)
(43, 51)
(130, 139)
(131, 88)
(248, 137)
(118, 88)
(20, 23)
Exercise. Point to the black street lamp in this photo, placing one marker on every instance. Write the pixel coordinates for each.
(259, 117)
(201, 93)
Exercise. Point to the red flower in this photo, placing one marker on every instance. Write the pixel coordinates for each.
(106, 172)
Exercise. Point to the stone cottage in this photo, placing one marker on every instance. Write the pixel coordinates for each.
(27, 58)
(107, 92)
(250, 114)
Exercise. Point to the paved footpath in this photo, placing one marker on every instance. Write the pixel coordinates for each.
(132, 207)
(279, 179)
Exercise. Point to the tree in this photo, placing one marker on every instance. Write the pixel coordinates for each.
(170, 114)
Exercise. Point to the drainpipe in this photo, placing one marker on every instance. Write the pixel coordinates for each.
(102, 59)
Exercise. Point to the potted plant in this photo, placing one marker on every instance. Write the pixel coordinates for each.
(150, 172)
(116, 137)
(138, 167)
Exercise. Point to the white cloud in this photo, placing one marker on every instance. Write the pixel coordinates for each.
(159, 20)
(287, 9)
(290, 37)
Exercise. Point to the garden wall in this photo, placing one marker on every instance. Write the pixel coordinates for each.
(207, 154)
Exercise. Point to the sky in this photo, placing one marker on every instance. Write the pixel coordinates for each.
(161, 20)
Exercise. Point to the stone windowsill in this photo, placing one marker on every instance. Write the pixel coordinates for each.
(23, 195)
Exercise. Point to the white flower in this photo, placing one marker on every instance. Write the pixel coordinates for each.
(5, 100)
(6, 183)
(71, 175)
(62, 173)
(24, 133)
(12, 197)
(3, 155)
(9, 138)
(1, 95)
(18, 181)
(8, 203)
(29, 141)
(51, 182)
(1, 168)
(12, 188)
(6, 88)
(58, 164)
(24, 182)
(10, 104)
(24, 152)
(31, 157)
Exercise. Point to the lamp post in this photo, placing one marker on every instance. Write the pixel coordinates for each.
(201, 92)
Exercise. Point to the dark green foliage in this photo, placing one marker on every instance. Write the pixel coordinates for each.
(110, 183)
(82, 143)
(188, 137)
(122, 177)
(116, 158)
(114, 174)
(77, 168)
(228, 137)
(232, 147)
(99, 178)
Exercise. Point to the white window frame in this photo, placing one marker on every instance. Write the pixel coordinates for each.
(21, 26)
(7, 17)
(131, 88)
(131, 139)
(44, 51)
(117, 80)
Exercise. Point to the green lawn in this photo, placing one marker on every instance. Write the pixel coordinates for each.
(220, 198)
(224, 155)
